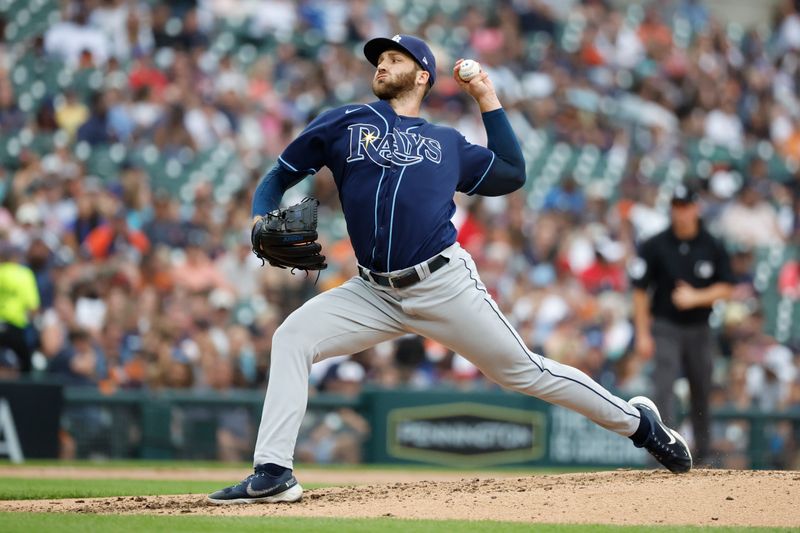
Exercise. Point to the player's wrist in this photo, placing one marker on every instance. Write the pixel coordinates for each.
(489, 102)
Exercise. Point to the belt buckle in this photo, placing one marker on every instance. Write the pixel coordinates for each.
(391, 281)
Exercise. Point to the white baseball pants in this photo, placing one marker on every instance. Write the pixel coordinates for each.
(452, 307)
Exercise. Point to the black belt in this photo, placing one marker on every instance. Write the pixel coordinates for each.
(405, 278)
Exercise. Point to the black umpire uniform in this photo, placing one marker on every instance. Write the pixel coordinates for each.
(677, 276)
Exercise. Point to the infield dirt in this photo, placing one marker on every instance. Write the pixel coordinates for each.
(702, 497)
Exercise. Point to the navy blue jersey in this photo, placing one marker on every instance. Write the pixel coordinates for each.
(396, 177)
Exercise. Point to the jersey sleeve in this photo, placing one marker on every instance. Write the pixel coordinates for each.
(475, 163)
(307, 152)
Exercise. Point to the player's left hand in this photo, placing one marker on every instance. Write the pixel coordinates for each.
(684, 296)
(480, 88)
(287, 238)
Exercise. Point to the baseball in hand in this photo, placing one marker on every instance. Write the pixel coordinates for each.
(468, 69)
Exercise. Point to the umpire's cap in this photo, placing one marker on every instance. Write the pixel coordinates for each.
(684, 194)
(413, 46)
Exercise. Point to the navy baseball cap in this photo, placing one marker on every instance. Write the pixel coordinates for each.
(684, 194)
(413, 46)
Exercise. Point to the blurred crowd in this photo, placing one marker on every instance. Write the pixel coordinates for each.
(145, 284)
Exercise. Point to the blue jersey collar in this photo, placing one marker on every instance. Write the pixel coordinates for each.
(387, 110)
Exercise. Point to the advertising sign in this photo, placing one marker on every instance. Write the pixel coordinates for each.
(466, 434)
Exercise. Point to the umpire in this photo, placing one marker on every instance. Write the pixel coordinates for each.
(676, 278)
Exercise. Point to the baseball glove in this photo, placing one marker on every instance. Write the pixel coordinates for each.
(287, 238)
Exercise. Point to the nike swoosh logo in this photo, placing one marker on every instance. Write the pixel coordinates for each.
(348, 111)
(256, 493)
(671, 438)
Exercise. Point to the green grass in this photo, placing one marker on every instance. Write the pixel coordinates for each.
(131, 463)
(299, 467)
(50, 489)
(27, 522)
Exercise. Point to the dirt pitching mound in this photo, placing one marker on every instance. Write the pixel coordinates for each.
(702, 497)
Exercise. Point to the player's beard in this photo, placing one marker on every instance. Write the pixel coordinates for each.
(391, 87)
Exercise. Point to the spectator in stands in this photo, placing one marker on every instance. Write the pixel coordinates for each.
(723, 125)
(240, 267)
(96, 130)
(80, 362)
(145, 78)
(121, 124)
(198, 272)
(409, 359)
(744, 289)
(566, 197)
(39, 259)
(71, 113)
(750, 220)
(730, 438)
(171, 135)
(12, 117)
(162, 37)
(769, 381)
(655, 35)
(88, 216)
(70, 37)
(29, 223)
(607, 272)
(788, 29)
(234, 433)
(336, 437)
(789, 280)
(45, 122)
(116, 238)
(165, 227)
(192, 37)
(207, 125)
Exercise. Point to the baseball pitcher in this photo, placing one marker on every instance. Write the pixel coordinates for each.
(396, 175)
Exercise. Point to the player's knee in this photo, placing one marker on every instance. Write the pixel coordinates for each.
(513, 384)
(289, 338)
(520, 380)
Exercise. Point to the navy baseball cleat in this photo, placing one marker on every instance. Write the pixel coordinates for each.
(260, 487)
(663, 443)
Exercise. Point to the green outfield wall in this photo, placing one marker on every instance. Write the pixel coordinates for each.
(448, 428)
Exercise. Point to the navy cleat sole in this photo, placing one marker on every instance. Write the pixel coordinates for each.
(663, 443)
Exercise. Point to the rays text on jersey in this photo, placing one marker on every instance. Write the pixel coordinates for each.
(398, 147)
